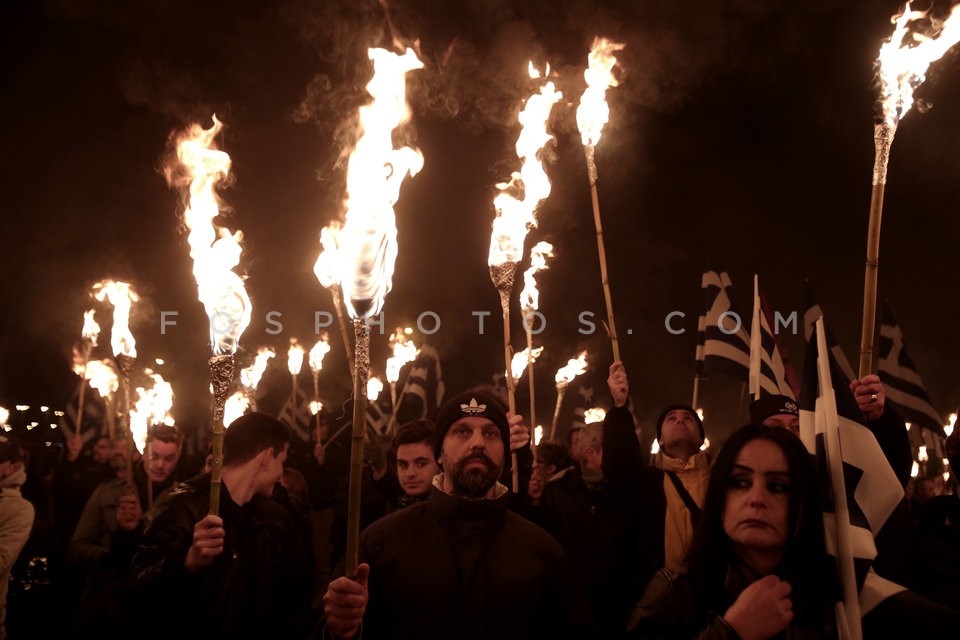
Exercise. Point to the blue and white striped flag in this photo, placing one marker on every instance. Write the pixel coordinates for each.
(859, 488)
(726, 343)
(901, 381)
(423, 390)
(811, 312)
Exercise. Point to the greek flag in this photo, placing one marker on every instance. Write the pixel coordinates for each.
(726, 343)
(903, 385)
(811, 312)
(859, 487)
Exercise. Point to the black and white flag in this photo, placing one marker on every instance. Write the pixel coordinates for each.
(726, 343)
(859, 488)
(811, 313)
(901, 381)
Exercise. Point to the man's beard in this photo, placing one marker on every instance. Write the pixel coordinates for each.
(475, 482)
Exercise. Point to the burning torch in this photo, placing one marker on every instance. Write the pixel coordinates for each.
(215, 252)
(102, 375)
(903, 63)
(529, 303)
(404, 351)
(89, 335)
(317, 353)
(122, 296)
(250, 379)
(152, 407)
(326, 270)
(592, 114)
(564, 377)
(516, 206)
(368, 240)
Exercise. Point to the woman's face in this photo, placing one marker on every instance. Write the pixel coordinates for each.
(756, 510)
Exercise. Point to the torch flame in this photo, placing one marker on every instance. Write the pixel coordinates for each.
(573, 368)
(215, 251)
(250, 377)
(404, 351)
(122, 296)
(516, 213)
(375, 173)
(519, 363)
(538, 435)
(103, 377)
(329, 261)
(315, 407)
(152, 407)
(530, 296)
(294, 357)
(593, 111)
(4, 415)
(235, 406)
(596, 414)
(374, 387)
(905, 58)
(319, 350)
(91, 330)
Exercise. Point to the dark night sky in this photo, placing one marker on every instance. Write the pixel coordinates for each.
(742, 132)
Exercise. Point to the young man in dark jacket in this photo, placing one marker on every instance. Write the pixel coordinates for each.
(244, 573)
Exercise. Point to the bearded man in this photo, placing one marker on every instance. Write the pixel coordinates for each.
(461, 559)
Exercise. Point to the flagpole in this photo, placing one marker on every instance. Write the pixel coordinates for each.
(755, 342)
(397, 401)
(698, 354)
(883, 139)
(827, 408)
(533, 395)
(740, 402)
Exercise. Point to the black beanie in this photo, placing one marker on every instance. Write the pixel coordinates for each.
(470, 404)
(685, 407)
(772, 405)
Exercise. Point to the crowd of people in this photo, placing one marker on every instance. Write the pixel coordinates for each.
(598, 540)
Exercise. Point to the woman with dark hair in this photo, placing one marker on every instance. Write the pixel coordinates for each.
(756, 565)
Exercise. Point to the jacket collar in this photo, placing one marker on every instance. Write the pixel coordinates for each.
(694, 462)
(450, 508)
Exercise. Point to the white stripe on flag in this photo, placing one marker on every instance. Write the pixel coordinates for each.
(828, 423)
(879, 492)
(876, 590)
